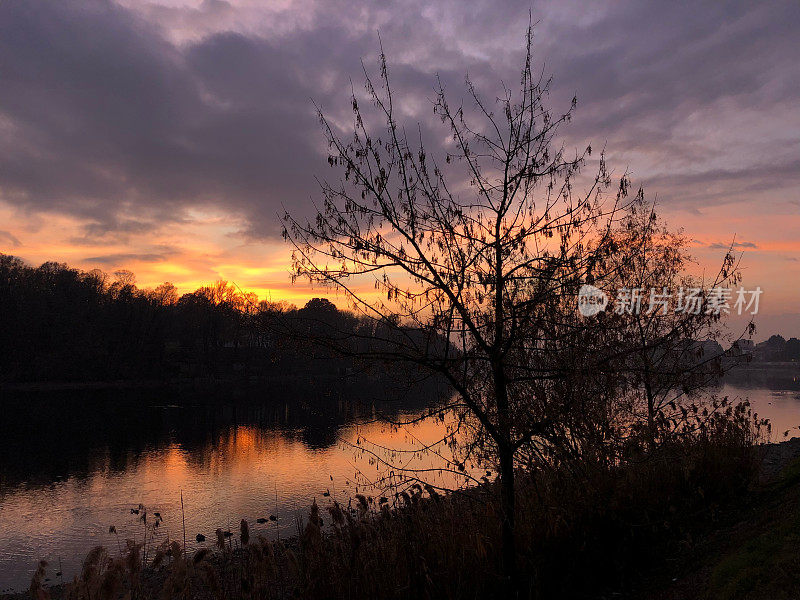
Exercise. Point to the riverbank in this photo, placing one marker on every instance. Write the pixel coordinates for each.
(711, 554)
(752, 553)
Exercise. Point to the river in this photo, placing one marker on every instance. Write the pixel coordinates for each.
(75, 463)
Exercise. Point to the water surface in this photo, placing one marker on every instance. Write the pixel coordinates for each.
(74, 463)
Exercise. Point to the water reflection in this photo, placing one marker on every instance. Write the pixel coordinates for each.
(773, 391)
(73, 466)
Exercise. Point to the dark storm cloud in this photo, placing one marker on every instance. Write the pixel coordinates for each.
(108, 112)
(721, 246)
(124, 258)
(760, 183)
(105, 114)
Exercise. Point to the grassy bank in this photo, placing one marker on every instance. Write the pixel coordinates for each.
(754, 552)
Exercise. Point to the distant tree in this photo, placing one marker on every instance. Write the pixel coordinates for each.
(772, 349)
(321, 307)
(124, 277)
(792, 351)
(665, 350)
(165, 294)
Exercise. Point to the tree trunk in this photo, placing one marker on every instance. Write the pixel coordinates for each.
(505, 452)
(651, 415)
(651, 419)
(507, 508)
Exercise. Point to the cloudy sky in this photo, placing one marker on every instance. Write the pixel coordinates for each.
(165, 137)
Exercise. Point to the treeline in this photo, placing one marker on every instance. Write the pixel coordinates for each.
(777, 349)
(62, 324)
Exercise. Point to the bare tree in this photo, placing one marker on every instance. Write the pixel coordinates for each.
(664, 326)
(480, 249)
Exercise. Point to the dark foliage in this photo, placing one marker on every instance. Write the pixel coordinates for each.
(62, 324)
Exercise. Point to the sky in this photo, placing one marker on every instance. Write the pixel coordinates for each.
(167, 137)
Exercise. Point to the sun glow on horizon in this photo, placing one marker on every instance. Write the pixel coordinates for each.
(207, 246)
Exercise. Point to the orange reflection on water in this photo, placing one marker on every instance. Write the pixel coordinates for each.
(244, 472)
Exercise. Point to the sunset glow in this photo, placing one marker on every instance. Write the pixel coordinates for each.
(399, 300)
(185, 182)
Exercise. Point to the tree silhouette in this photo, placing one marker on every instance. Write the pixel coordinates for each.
(491, 266)
(59, 324)
(664, 337)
